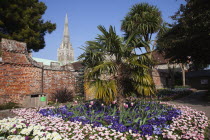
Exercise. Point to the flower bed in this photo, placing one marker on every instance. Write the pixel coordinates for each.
(190, 124)
(146, 118)
(172, 94)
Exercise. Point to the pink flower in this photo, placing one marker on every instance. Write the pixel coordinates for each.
(91, 102)
(114, 102)
(125, 105)
(102, 104)
(90, 106)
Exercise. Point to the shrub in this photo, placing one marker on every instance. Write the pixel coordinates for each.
(172, 94)
(63, 95)
(9, 105)
(187, 86)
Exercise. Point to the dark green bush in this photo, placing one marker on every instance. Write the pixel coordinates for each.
(9, 105)
(63, 96)
(182, 86)
(172, 94)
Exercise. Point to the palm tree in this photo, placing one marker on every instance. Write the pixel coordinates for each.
(112, 70)
(144, 19)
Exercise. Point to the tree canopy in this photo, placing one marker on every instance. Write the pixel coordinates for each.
(144, 20)
(22, 20)
(188, 39)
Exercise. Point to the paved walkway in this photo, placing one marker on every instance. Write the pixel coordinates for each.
(196, 101)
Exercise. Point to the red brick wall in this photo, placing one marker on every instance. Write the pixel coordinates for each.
(56, 80)
(159, 79)
(17, 58)
(20, 75)
(15, 79)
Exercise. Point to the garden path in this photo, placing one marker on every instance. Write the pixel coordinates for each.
(196, 101)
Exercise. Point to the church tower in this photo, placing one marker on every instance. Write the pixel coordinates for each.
(65, 52)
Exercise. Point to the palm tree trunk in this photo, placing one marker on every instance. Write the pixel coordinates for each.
(120, 87)
(171, 73)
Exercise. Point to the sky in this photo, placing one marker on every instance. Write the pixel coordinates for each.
(85, 15)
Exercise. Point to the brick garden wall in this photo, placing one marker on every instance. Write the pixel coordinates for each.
(20, 75)
(54, 80)
(159, 79)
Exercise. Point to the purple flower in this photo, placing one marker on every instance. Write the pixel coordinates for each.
(146, 129)
(27, 138)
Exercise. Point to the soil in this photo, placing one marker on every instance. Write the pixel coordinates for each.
(6, 113)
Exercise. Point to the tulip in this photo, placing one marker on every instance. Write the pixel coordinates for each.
(132, 104)
(114, 102)
(125, 105)
(91, 102)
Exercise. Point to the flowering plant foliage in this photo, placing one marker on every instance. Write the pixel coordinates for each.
(189, 124)
(146, 118)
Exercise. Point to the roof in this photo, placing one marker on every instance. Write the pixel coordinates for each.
(77, 65)
(44, 61)
(159, 57)
(200, 73)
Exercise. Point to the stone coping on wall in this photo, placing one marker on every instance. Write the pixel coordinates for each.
(39, 93)
(13, 46)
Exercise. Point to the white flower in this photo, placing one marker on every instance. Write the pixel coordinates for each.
(15, 137)
(36, 132)
(36, 138)
(12, 130)
(55, 134)
(18, 126)
(43, 138)
(57, 138)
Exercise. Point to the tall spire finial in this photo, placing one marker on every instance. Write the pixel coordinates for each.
(66, 30)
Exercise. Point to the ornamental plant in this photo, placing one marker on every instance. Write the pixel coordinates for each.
(62, 96)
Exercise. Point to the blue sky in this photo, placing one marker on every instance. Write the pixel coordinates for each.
(84, 17)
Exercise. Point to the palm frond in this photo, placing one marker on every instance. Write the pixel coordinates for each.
(103, 68)
(105, 90)
(143, 83)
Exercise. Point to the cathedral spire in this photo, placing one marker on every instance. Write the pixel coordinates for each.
(66, 52)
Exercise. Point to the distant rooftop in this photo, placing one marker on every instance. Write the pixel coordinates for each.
(48, 62)
(44, 61)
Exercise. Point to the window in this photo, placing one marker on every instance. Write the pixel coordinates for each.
(204, 81)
